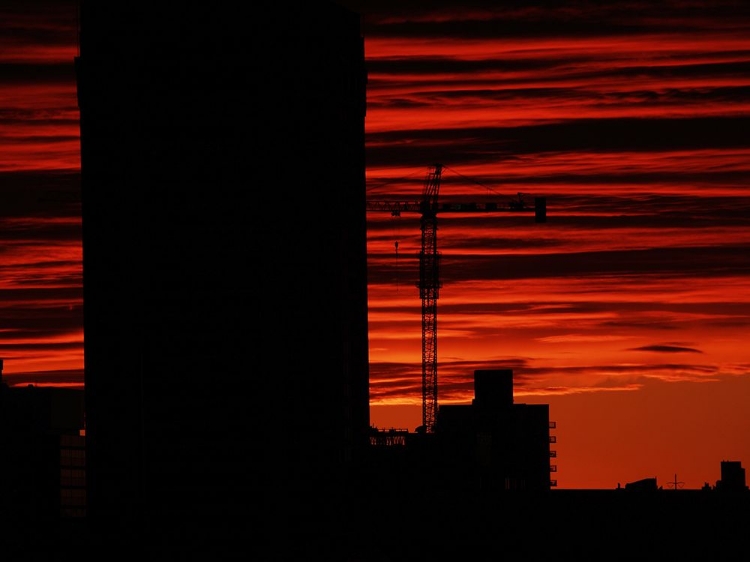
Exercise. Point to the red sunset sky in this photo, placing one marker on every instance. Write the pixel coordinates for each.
(628, 312)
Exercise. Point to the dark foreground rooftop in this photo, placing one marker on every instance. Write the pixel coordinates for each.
(571, 524)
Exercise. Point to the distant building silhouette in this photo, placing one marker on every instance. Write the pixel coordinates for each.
(642, 485)
(732, 477)
(224, 262)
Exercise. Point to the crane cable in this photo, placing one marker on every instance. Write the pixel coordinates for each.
(398, 235)
(396, 244)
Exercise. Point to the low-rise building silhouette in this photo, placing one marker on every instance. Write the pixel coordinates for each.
(642, 485)
(732, 477)
(491, 444)
(505, 446)
(42, 452)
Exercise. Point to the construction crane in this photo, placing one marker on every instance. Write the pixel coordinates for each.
(429, 268)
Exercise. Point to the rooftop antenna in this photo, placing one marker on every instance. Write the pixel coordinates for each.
(675, 484)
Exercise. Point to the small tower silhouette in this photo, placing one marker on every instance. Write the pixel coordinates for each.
(675, 484)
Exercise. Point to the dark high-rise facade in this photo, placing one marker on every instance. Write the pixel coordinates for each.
(224, 259)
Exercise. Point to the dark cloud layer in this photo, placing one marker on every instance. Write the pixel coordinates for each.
(542, 18)
(414, 148)
(666, 349)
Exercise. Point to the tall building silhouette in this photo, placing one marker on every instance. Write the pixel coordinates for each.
(224, 261)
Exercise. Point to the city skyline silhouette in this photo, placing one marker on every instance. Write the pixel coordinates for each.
(634, 293)
(184, 328)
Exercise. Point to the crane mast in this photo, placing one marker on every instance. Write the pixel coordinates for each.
(429, 289)
(429, 270)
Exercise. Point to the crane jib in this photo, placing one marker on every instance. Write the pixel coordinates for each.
(398, 207)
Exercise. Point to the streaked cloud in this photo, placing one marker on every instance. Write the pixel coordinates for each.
(630, 119)
(665, 348)
(41, 318)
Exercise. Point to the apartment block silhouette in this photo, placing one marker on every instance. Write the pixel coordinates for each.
(497, 443)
